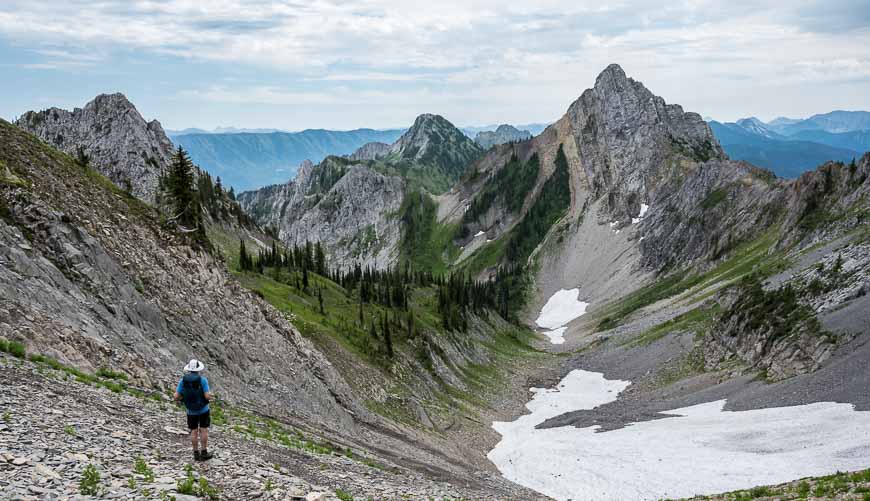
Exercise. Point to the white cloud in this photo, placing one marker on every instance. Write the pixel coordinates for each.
(484, 58)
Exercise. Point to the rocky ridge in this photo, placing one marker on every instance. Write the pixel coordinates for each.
(120, 143)
(369, 151)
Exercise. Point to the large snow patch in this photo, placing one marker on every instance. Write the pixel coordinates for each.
(704, 450)
(561, 308)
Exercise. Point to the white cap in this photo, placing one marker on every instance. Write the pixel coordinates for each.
(194, 366)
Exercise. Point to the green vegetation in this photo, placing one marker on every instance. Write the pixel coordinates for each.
(697, 320)
(425, 243)
(714, 198)
(752, 257)
(839, 485)
(142, 468)
(110, 374)
(70, 430)
(552, 203)
(343, 495)
(89, 485)
(510, 186)
(192, 486)
(777, 312)
(13, 348)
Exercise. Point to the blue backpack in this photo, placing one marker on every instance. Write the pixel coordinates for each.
(191, 391)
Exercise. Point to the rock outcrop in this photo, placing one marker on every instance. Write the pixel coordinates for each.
(348, 207)
(624, 134)
(503, 134)
(120, 143)
(369, 151)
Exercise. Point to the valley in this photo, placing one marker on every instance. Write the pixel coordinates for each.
(591, 312)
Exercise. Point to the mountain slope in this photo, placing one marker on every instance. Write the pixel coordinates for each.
(247, 161)
(120, 143)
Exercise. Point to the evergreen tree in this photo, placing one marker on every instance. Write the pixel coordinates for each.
(182, 192)
(244, 259)
(320, 300)
(388, 338)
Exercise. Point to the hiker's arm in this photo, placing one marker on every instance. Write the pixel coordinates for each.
(177, 396)
(208, 396)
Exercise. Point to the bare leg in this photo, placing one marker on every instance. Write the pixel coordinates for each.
(203, 436)
(194, 439)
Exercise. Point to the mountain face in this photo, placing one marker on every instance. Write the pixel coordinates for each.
(346, 206)
(503, 134)
(120, 143)
(370, 151)
(248, 161)
(435, 149)
(624, 133)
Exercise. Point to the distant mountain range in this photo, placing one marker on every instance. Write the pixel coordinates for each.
(247, 160)
(790, 146)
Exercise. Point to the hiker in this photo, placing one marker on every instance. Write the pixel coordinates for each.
(193, 391)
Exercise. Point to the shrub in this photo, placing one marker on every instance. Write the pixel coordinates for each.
(343, 495)
(141, 467)
(15, 349)
(90, 482)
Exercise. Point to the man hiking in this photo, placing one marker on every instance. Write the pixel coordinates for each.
(193, 391)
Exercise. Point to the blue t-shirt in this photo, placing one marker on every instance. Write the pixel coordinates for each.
(204, 383)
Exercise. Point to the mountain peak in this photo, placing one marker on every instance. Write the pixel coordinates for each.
(503, 134)
(435, 144)
(109, 129)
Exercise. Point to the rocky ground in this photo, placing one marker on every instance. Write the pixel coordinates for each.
(57, 433)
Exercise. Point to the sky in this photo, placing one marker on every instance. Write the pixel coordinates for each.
(379, 63)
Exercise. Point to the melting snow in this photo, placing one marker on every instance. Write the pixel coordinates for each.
(704, 450)
(556, 335)
(561, 308)
(479, 233)
(643, 209)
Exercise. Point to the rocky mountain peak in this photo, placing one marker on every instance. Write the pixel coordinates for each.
(369, 151)
(624, 135)
(436, 145)
(110, 130)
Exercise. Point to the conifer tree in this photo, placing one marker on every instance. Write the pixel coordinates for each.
(182, 191)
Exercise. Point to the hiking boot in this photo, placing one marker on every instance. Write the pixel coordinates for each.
(204, 455)
(197, 456)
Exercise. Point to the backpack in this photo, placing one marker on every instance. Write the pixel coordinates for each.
(191, 390)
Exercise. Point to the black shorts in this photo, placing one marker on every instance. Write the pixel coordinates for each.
(199, 421)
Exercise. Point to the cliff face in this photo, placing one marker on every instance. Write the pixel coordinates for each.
(624, 133)
(349, 208)
(369, 151)
(120, 143)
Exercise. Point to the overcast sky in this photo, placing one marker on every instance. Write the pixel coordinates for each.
(379, 63)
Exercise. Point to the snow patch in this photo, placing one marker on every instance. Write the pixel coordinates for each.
(556, 335)
(703, 450)
(479, 233)
(643, 209)
(561, 308)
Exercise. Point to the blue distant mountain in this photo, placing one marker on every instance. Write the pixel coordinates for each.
(789, 146)
(248, 161)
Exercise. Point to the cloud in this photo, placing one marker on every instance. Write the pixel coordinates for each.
(489, 55)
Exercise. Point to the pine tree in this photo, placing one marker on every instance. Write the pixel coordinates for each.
(305, 279)
(320, 300)
(388, 338)
(180, 185)
(244, 260)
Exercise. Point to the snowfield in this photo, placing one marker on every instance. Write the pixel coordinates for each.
(561, 308)
(703, 450)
